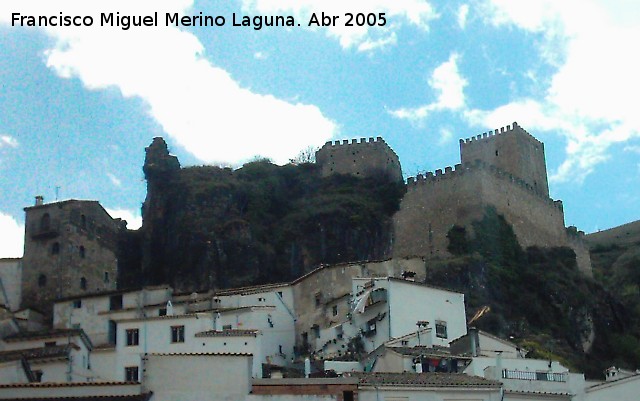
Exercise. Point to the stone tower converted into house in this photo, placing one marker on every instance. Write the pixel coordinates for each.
(363, 159)
(70, 249)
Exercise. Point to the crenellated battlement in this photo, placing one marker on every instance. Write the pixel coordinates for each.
(364, 157)
(355, 141)
(492, 134)
(451, 173)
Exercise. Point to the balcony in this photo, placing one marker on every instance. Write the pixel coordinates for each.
(50, 230)
(528, 375)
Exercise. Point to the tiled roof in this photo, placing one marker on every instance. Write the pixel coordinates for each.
(66, 384)
(551, 393)
(250, 290)
(228, 333)
(424, 380)
(58, 351)
(49, 333)
(41, 334)
(424, 351)
(136, 397)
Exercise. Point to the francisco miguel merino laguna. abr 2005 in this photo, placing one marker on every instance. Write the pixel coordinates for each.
(125, 22)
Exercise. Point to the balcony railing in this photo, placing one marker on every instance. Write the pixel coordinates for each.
(527, 375)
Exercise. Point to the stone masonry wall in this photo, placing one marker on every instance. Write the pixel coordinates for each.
(433, 204)
(511, 149)
(78, 242)
(362, 159)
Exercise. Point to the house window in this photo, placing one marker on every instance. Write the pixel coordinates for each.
(42, 280)
(316, 330)
(49, 344)
(334, 311)
(82, 252)
(106, 277)
(226, 327)
(162, 312)
(177, 334)
(115, 302)
(55, 248)
(37, 376)
(318, 299)
(131, 374)
(83, 221)
(113, 330)
(133, 337)
(83, 283)
(77, 304)
(441, 329)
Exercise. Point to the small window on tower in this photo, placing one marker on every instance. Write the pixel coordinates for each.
(106, 277)
(83, 221)
(82, 251)
(55, 248)
(45, 222)
(496, 153)
(42, 280)
(83, 283)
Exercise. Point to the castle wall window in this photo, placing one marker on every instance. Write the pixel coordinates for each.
(55, 248)
(77, 304)
(82, 251)
(42, 280)
(334, 311)
(177, 334)
(106, 277)
(131, 374)
(83, 221)
(83, 283)
(133, 337)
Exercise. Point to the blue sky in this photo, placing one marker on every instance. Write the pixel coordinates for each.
(78, 105)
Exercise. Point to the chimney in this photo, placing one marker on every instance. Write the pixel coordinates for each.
(39, 200)
(474, 340)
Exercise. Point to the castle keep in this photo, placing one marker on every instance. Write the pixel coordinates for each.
(364, 158)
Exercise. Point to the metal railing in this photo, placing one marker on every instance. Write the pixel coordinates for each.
(527, 375)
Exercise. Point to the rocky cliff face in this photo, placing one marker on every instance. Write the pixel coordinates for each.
(211, 227)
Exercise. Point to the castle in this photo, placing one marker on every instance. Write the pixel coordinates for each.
(74, 247)
(504, 168)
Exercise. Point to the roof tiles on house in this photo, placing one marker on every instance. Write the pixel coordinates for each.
(228, 333)
(31, 354)
(424, 380)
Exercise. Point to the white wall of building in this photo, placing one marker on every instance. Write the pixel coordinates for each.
(198, 377)
(11, 276)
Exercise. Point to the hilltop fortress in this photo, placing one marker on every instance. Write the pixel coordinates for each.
(207, 228)
(504, 169)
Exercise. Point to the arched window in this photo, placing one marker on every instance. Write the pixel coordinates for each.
(55, 248)
(82, 251)
(45, 222)
(83, 283)
(42, 280)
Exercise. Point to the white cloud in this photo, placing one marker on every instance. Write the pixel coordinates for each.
(6, 140)
(364, 38)
(445, 136)
(195, 102)
(133, 218)
(11, 237)
(634, 149)
(449, 85)
(463, 13)
(114, 180)
(260, 55)
(589, 98)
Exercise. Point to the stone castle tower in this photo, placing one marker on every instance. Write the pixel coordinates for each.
(70, 249)
(513, 150)
(362, 159)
